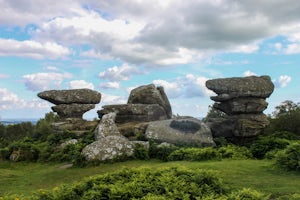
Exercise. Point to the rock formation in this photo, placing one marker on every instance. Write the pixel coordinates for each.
(243, 100)
(146, 103)
(71, 103)
(109, 144)
(186, 130)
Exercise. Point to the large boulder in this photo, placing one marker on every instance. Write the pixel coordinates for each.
(108, 148)
(135, 112)
(107, 127)
(149, 94)
(178, 131)
(80, 96)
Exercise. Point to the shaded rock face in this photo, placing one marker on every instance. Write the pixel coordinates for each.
(135, 112)
(71, 103)
(145, 103)
(149, 94)
(109, 144)
(178, 131)
(243, 100)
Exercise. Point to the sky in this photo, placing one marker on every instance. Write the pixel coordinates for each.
(114, 46)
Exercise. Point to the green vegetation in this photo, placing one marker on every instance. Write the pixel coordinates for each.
(42, 161)
(261, 175)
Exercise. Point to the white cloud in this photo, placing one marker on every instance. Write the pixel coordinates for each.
(249, 73)
(32, 49)
(44, 81)
(51, 68)
(108, 99)
(172, 89)
(293, 48)
(282, 81)
(78, 84)
(10, 100)
(110, 85)
(122, 73)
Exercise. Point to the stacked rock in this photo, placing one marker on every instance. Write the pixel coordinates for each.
(145, 103)
(243, 100)
(71, 103)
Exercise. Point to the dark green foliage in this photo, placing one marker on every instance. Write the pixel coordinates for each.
(24, 150)
(266, 143)
(290, 157)
(161, 151)
(142, 183)
(213, 113)
(4, 153)
(195, 154)
(235, 152)
(140, 152)
(247, 194)
(185, 126)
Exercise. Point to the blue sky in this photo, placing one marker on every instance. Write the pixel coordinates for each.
(114, 46)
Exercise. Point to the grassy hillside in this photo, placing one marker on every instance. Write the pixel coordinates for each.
(25, 178)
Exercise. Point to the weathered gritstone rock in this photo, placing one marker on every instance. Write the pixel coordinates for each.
(73, 110)
(243, 99)
(80, 96)
(135, 112)
(107, 127)
(178, 131)
(149, 94)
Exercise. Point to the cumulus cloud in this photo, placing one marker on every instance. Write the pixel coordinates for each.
(10, 100)
(32, 49)
(122, 73)
(107, 99)
(110, 85)
(282, 81)
(249, 73)
(78, 84)
(44, 81)
(188, 86)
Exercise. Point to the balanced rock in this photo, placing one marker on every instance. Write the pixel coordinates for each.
(149, 94)
(243, 100)
(71, 103)
(80, 96)
(178, 131)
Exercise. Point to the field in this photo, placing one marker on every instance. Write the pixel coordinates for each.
(24, 179)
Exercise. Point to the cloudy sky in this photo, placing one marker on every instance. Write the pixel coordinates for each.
(113, 46)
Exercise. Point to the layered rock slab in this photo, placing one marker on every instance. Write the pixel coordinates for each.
(180, 131)
(243, 100)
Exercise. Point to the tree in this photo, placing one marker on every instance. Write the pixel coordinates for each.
(286, 117)
(213, 113)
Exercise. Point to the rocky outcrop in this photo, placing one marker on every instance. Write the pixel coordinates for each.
(109, 144)
(180, 131)
(243, 100)
(149, 94)
(135, 112)
(71, 103)
(145, 103)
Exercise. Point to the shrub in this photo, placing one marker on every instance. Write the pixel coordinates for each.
(247, 194)
(161, 151)
(289, 197)
(290, 157)
(195, 154)
(140, 152)
(4, 153)
(142, 183)
(260, 147)
(24, 150)
(235, 152)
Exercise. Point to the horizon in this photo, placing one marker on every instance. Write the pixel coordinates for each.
(113, 47)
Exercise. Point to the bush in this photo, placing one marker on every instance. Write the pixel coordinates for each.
(142, 183)
(290, 157)
(260, 147)
(4, 153)
(194, 154)
(247, 194)
(161, 151)
(24, 150)
(140, 152)
(235, 152)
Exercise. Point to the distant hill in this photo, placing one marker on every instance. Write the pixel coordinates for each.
(17, 121)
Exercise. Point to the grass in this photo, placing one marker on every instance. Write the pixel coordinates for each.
(26, 178)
